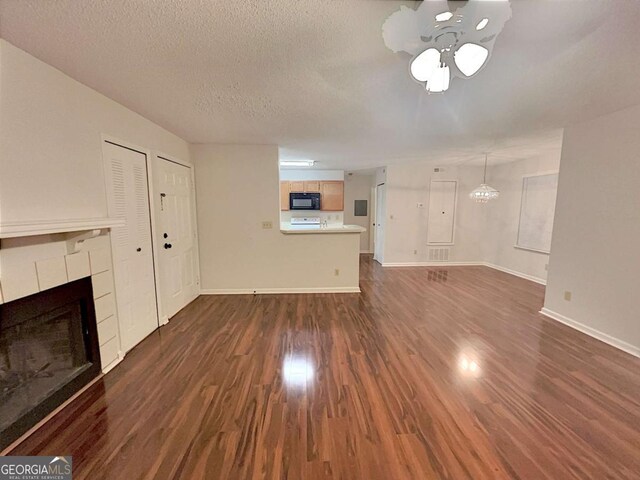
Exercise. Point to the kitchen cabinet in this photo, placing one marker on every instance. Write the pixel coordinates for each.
(284, 196)
(332, 196)
(312, 186)
(296, 186)
(331, 193)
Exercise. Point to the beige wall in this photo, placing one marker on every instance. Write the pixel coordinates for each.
(237, 189)
(596, 237)
(503, 216)
(358, 187)
(50, 141)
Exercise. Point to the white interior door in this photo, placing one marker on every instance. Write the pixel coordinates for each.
(442, 210)
(176, 236)
(127, 189)
(381, 202)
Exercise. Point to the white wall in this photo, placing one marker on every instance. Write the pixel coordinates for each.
(237, 189)
(50, 141)
(596, 238)
(503, 216)
(358, 187)
(484, 233)
(406, 227)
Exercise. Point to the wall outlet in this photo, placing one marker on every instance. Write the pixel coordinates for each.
(567, 296)
(267, 225)
(337, 272)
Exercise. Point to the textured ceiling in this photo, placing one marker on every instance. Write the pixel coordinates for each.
(315, 76)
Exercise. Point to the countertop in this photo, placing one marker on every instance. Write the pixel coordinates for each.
(309, 229)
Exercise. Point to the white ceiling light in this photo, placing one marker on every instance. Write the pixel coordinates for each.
(484, 192)
(482, 23)
(439, 81)
(424, 65)
(444, 16)
(470, 58)
(297, 163)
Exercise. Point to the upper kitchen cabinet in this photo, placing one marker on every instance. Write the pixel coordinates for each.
(284, 195)
(331, 193)
(296, 186)
(312, 186)
(332, 196)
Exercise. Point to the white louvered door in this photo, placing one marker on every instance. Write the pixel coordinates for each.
(126, 176)
(176, 236)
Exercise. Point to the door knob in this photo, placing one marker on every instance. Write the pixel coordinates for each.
(138, 249)
(165, 235)
(167, 245)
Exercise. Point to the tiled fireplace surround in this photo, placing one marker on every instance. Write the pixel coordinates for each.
(32, 264)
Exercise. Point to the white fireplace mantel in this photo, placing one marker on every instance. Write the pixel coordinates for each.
(46, 227)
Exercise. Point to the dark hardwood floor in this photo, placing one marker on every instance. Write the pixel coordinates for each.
(429, 373)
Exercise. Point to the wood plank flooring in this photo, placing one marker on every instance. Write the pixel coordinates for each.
(429, 373)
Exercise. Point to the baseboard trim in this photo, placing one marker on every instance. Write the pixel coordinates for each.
(113, 364)
(431, 264)
(592, 332)
(526, 276)
(267, 291)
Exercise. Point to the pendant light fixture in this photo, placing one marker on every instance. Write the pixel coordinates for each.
(484, 192)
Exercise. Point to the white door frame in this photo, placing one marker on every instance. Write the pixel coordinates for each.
(164, 319)
(384, 221)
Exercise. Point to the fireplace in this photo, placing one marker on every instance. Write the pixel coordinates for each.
(48, 351)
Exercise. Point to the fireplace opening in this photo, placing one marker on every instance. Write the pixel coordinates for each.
(48, 351)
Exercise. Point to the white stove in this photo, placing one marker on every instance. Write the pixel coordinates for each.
(306, 221)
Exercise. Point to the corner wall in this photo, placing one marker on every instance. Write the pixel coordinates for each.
(50, 141)
(596, 237)
(503, 217)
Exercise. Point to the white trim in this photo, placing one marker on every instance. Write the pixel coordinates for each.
(113, 364)
(263, 291)
(535, 250)
(433, 264)
(45, 227)
(592, 332)
(526, 276)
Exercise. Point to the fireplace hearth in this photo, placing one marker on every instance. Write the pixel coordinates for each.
(48, 351)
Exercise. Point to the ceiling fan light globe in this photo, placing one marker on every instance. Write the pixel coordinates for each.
(470, 58)
(425, 64)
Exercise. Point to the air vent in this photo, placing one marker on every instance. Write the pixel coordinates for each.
(439, 254)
